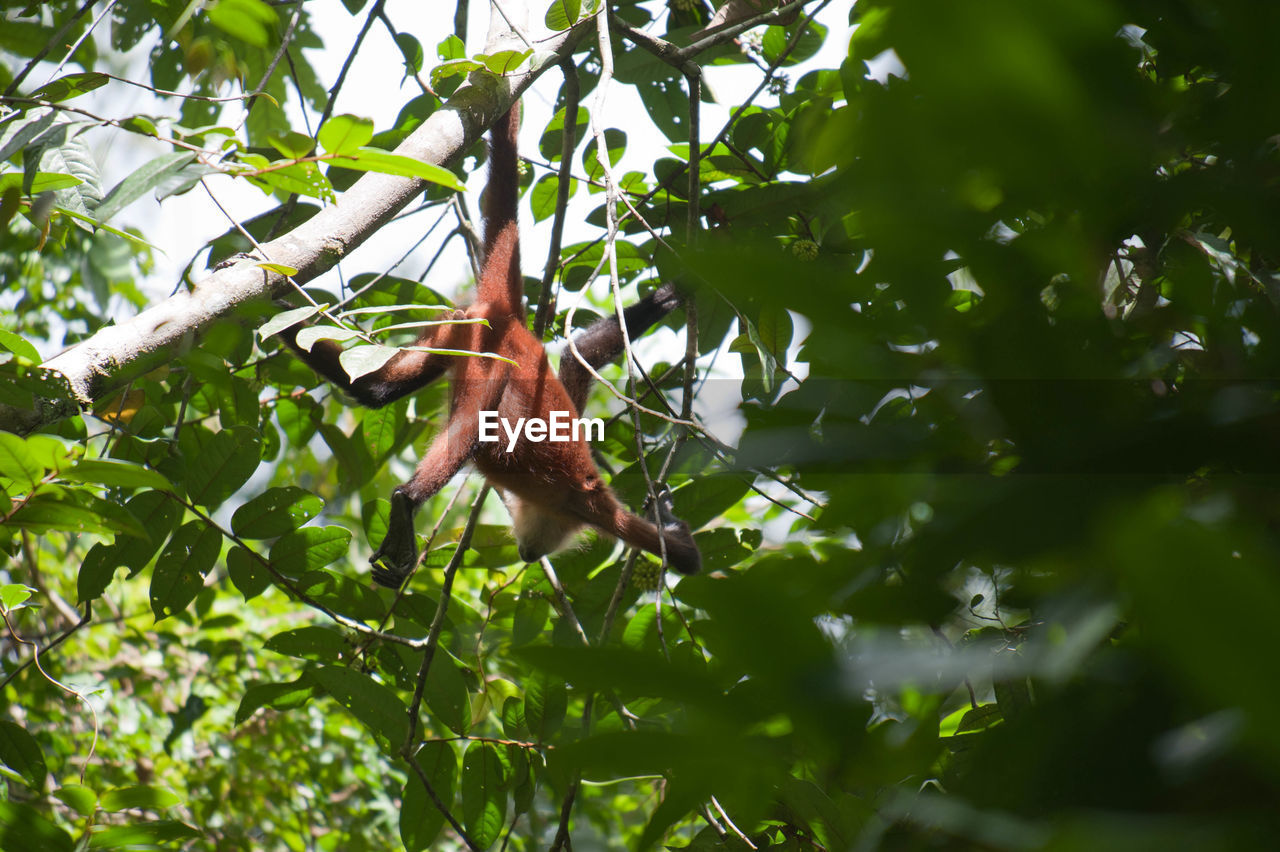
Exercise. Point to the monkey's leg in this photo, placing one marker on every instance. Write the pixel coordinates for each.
(601, 509)
(398, 553)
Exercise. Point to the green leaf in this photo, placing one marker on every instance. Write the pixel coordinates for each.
(23, 130)
(247, 572)
(342, 594)
(299, 418)
(141, 797)
(513, 725)
(42, 182)
(82, 800)
(308, 337)
(303, 178)
(615, 146)
(287, 319)
(217, 469)
(505, 61)
(248, 20)
(375, 705)
(777, 38)
(158, 515)
(320, 644)
(180, 571)
(18, 346)
(275, 512)
(345, 134)
(71, 86)
(768, 362)
(14, 595)
(563, 14)
(412, 53)
(385, 162)
(420, 819)
(381, 425)
(368, 358)
(708, 497)
(20, 752)
(484, 799)
(118, 474)
(59, 508)
(17, 462)
(452, 68)
(279, 696)
(451, 48)
(530, 618)
(278, 268)
(545, 703)
(292, 144)
(1013, 697)
(22, 826)
(156, 834)
(812, 805)
(446, 693)
(69, 154)
(309, 548)
(92, 223)
(146, 177)
(551, 143)
(97, 570)
(543, 196)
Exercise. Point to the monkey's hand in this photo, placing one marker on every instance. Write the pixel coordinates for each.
(682, 552)
(398, 553)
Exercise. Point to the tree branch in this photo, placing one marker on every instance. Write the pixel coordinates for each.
(117, 353)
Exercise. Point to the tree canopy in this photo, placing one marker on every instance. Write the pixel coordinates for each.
(993, 295)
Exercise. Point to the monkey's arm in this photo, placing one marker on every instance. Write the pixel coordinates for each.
(601, 342)
(410, 371)
(397, 555)
(405, 373)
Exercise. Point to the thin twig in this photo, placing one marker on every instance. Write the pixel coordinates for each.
(62, 637)
(442, 608)
(346, 64)
(109, 122)
(35, 657)
(44, 51)
(562, 600)
(440, 805)
(275, 60)
(76, 46)
(568, 142)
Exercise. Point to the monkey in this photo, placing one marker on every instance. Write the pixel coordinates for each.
(552, 488)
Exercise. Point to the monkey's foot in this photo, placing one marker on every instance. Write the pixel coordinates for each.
(398, 553)
(677, 538)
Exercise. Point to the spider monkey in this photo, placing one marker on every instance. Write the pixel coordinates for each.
(551, 489)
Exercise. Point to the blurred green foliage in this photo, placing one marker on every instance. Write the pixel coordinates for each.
(1006, 314)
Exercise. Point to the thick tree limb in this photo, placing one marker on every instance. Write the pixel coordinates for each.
(118, 353)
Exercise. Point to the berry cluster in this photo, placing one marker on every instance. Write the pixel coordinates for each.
(805, 249)
(647, 575)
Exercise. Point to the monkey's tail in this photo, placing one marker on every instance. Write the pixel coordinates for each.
(504, 177)
(500, 281)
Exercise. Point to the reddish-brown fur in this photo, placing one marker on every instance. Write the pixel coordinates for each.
(551, 488)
